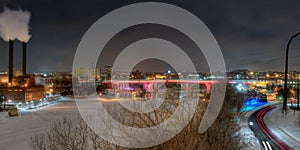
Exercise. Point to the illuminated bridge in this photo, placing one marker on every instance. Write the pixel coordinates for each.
(151, 85)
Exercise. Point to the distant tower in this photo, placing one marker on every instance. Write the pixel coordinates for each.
(24, 58)
(11, 61)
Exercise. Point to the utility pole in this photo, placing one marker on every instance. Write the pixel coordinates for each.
(298, 94)
(286, 71)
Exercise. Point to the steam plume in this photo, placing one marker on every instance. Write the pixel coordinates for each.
(14, 24)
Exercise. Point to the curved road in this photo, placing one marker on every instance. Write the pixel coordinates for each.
(268, 140)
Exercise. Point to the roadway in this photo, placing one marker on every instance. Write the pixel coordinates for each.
(266, 138)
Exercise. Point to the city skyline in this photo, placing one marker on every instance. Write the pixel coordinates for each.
(249, 40)
(102, 74)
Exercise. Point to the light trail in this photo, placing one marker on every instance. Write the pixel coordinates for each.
(113, 99)
(265, 146)
(261, 124)
(269, 146)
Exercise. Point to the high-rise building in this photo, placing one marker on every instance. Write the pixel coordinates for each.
(87, 74)
(107, 71)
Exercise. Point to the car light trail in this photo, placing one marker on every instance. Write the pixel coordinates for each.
(269, 146)
(265, 146)
(262, 126)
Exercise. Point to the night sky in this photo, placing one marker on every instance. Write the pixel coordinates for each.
(251, 34)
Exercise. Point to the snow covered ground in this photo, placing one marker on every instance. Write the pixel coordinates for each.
(15, 132)
(250, 142)
(287, 129)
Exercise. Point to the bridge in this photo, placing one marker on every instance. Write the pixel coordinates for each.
(151, 85)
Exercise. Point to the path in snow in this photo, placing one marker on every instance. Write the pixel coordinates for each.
(15, 132)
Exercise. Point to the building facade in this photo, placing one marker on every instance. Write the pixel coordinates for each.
(18, 94)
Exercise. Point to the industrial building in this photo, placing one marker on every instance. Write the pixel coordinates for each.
(19, 87)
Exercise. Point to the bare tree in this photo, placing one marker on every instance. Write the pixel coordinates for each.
(223, 134)
(69, 134)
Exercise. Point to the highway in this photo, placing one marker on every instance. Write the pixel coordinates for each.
(268, 140)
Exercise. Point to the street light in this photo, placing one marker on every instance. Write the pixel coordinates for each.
(286, 71)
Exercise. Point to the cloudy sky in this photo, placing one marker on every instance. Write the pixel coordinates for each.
(251, 34)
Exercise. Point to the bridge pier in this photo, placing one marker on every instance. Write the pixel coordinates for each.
(208, 87)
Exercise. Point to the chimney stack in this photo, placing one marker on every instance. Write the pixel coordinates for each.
(11, 61)
(24, 58)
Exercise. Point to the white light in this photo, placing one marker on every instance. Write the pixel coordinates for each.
(9, 101)
(251, 123)
(169, 71)
(265, 146)
(269, 145)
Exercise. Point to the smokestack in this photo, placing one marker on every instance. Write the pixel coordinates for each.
(24, 57)
(11, 61)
